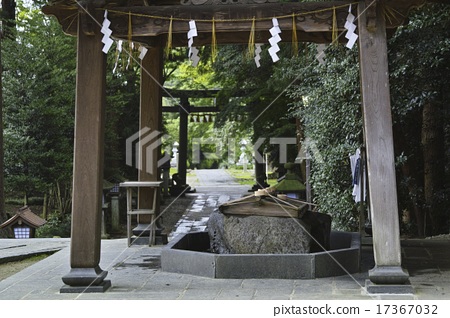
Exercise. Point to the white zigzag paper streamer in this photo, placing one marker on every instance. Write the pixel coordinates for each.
(274, 48)
(258, 51)
(119, 50)
(193, 51)
(321, 53)
(106, 40)
(143, 50)
(351, 27)
(194, 56)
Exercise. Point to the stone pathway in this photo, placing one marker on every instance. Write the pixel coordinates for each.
(214, 187)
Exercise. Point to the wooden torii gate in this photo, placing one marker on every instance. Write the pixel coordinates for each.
(314, 22)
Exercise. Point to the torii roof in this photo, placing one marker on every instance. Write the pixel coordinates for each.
(27, 217)
(150, 20)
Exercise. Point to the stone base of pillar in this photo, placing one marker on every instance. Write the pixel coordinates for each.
(85, 280)
(396, 289)
(103, 287)
(388, 275)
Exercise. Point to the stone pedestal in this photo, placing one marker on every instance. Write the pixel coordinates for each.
(85, 280)
(393, 289)
(388, 275)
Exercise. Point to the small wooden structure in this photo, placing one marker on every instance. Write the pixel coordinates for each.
(148, 23)
(150, 211)
(24, 223)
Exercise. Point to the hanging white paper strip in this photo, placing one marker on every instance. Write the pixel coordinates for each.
(119, 50)
(351, 27)
(321, 53)
(274, 48)
(194, 56)
(258, 51)
(193, 51)
(143, 51)
(106, 40)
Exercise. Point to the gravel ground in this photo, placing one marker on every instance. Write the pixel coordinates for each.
(439, 237)
(173, 209)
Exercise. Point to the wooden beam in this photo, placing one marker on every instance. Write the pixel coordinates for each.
(144, 26)
(88, 162)
(241, 15)
(150, 106)
(380, 149)
(192, 110)
(314, 23)
(183, 139)
(197, 93)
(150, 117)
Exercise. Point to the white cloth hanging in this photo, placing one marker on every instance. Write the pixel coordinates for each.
(358, 178)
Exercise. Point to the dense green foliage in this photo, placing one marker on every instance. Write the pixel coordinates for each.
(39, 71)
(326, 98)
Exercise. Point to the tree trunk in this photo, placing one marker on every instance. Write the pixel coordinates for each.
(434, 169)
(411, 172)
(414, 205)
(9, 12)
(2, 187)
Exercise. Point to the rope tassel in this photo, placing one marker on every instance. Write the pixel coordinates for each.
(251, 40)
(169, 39)
(213, 41)
(130, 40)
(334, 35)
(294, 37)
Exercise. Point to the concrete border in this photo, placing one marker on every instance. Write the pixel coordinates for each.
(188, 254)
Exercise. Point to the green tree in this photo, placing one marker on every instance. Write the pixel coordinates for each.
(181, 75)
(420, 72)
(7, 16)
(39, 78)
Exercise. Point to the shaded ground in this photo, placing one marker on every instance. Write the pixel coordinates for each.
(9, 269)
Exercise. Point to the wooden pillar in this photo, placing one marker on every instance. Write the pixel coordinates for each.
(150, 117)
(183, 137)
(85, 272)
(379, 143)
